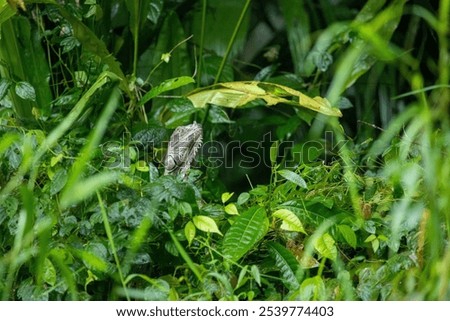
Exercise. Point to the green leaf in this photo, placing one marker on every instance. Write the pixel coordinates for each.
(154, 10)
(298, 30)
(246, 231)
(189, 232)
(293, 177)
(58, 181)
(324, 245)
(217, 115)
(290, 221)
(287, 264)
(92, 260)
(243, 197)
(205, 224)
(254, 270)
(226, 196)
(274, 151)
(370, 238)
(166, 85)
(49, 275)
(231, 209)
(242, 277)
(313, 289)
(348, 234)
(4, 86)
(25, 91)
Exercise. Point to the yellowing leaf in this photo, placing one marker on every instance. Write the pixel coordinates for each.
(205, 224)
(231, 209)
(239, 93)
(226, 196)
(290, 221)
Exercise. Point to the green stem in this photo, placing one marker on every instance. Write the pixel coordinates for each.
(231, 42)
(202, 42)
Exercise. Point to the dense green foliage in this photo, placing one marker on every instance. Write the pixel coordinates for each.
(282, 204)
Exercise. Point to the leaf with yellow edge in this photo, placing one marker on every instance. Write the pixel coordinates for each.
(239, 93)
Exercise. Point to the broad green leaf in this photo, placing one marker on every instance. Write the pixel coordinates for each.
(205, 224)
(240, 93)
(25, 91)
(287, 264)
(348, 234)
(226, 196)
(243, 197)
(58, 181)
(313, 289)
(92, 261)
(246, 231)
(4, 86)
(49, 275)
(290, 221)
(154, 10)
(7, 10)
(370, 238)
(324, 245)
(217, 115)
(293, 177)
(231, 209)
(166, 85)
(298, 30)
(189, 232)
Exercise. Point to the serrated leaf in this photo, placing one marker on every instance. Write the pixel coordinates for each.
(348, 234)
(226, 196)
(293, 177)
(231, 209)
(205, 224)
(291, 222)
(189, 232)
(324, 245)
(287, 264)
(240, 93)
(246, 231)
(25, 91)
(166, 85)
